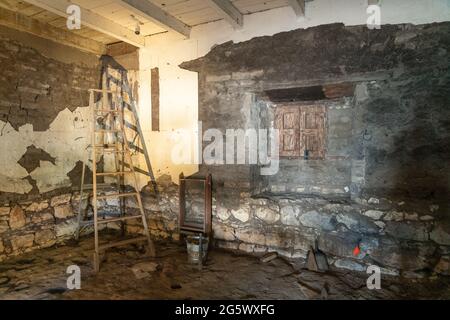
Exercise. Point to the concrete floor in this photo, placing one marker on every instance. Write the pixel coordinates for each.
(227, 275)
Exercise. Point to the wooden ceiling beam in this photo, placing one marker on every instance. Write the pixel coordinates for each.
(229, 12)
(298, 6)
(92, 20)
(17, 21)
(158, 16)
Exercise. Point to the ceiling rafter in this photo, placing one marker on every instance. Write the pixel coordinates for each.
(92, 20)
(155, 14)
(229, 12)
(23, 23)
(298, 6)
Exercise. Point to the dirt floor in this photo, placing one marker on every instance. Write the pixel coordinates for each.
(127, 274)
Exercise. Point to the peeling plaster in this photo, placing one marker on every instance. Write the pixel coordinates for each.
(32, 158)
(66, 140)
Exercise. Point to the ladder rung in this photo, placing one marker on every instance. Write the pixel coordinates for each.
(102, 90)
(103, 146)
(113, 150)
(103, 174)
(108, 147)
(109, 220)
(119, 219)
(136, 169)
(107, 111)
(117, 195)
(108, 131)
(121, 243)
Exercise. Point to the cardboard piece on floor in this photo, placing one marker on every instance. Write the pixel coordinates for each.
(311, 263)
(269, 257)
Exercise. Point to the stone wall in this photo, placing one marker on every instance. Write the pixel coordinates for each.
(44, 131)
(43, 221)
(30, 225)
(403, 238)
(44, 119)
(395, 146)
(399, 118)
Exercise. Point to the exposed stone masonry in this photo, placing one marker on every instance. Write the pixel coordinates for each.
(34, 88)
(393, 135)
(384, 182)
(402, 238)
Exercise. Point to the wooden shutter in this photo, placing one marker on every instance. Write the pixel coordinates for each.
(312, 131)
(287, 120)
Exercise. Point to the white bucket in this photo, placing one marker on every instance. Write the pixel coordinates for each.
(193, 248)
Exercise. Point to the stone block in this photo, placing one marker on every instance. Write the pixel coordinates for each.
(227, 245)
(404, 256)
(374, 214)
(267, 215)
(4, 226)
(44, 237)
(218, 78)
(60, 200)
(17, 218)
(394, 216)
(246, 247)
(247, 75)
(349, 265)
(42, 217)
(223, 213)
(66, 228)
(411, 216)
(4, 211)
(223, 232)
(22, 242)
(250, 236)
(242, 214)
(440, 235)
(357, 222)
(304, 240)
(37, 206)
(314, 219)
(407, 230)
(339, 244)
(280, 240)
(289, 215)
(443, 266)
(64, 211)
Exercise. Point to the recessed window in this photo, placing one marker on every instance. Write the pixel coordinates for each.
(302, 131)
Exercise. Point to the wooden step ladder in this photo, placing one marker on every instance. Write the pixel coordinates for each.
(108, 124)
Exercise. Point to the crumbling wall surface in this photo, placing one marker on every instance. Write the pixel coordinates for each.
(35, 89)
(43, 221)
(44, 119)
(398, 159)
(44, 131)
(400, 121)
(402, 238)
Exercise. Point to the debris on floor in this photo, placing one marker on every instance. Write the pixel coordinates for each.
(269, 257)
(226, 275)
(316, 261)
(144, 269)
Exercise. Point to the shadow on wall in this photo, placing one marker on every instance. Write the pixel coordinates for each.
(408, 160)
(408, 155)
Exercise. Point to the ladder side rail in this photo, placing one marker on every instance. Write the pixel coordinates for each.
(138, 194)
